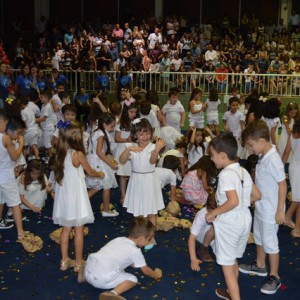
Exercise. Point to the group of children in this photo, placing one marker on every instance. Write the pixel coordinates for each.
(121, 141)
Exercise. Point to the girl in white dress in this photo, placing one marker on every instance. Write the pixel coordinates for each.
(143, 196)
(291, 113)
(197, 109)
(196, 148)
(99, 157)
(130, 111)
(72, 207)
(212, 112)
(293, 145)
(32, 186)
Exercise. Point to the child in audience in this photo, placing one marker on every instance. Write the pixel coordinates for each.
(99, 157)
(270, 210)
(105, 269)
(293, 145)
(32, 186)
(232, 218)
(212, 113)
(196, 183)
(72, 207)
(173, 112)
(196, 109)
(202, 232)
(122, 136)
(143, 196)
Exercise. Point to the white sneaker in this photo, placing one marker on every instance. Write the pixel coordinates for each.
(31, 157)
(111, 213)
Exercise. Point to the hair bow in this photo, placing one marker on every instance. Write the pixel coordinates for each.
(63, 124)
(261, 98)
(129, 101)
(9, 100)
(136, 121)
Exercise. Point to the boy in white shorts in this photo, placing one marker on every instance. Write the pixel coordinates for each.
(47, 121)
(270, 211)
(105, 269)
(9, 191)
(232, 218)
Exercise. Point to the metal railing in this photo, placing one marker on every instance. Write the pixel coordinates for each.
(274, 84)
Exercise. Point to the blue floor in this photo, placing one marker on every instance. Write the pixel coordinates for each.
(37, 276)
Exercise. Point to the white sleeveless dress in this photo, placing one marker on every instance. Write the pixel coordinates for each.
(72, 205)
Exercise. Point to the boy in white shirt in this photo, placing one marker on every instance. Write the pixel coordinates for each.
(270, 210)
(234, 121)
(47, 122)
(173, 112)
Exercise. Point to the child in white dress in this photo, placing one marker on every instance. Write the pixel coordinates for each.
(196, 147)
(105, 269)
(99, 157)
(212, 112)
(293, 145)
(32, 186)
(72, 207)
(130, 111)
(291, 113)
(143, 196)
(196, 109)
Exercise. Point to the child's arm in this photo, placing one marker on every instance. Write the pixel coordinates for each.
(79, 159)
(54, 105)
(126, 153)
(280, 213)
(255, 194)
(102, 156)
(287, 151)
(192, 139)
(156, 273)
(230, 204)
(242, 122)
(273, 135)
(160, 144)
(224, 123)
(102, 107)
(41, 119)
(182, 118)
(195, 262)
(118, 138)
(8, 144)
(192, 109)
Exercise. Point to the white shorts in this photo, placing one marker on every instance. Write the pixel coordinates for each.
(196, 123)
(9, 194)
(230, 242)
(31, 137)
(105, 281)
(46, 138)
(213, 120)
(265, 235)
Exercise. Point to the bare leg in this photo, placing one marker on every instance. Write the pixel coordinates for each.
(64, 243)
(274, 264)
(92, 192)
(152, 219)
(17, 213)
(292, 208)
(124, 286)
(231, 279)
(106, 199)
(36, 151)
(297, 223)
(123, 183)
(209, 236)
(260, 256)
(78, 242)
(1, 210)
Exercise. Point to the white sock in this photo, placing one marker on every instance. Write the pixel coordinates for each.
(113, 291)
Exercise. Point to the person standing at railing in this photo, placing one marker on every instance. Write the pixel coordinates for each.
(221, 78)
(5, 83)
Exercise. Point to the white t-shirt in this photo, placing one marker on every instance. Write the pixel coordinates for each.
(233, 122)
(152, 118)
(165, 176)
(116, 256)
(268, 173)
(173, 114)
(212, 108)
(58, 102)
(34, 108)
(47, 111)
(200, 226)
(29, 118)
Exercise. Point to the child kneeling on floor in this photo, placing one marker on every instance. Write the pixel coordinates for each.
(105, 269)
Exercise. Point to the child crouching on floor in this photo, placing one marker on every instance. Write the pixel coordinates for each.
(105, 269)
(202, 232)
